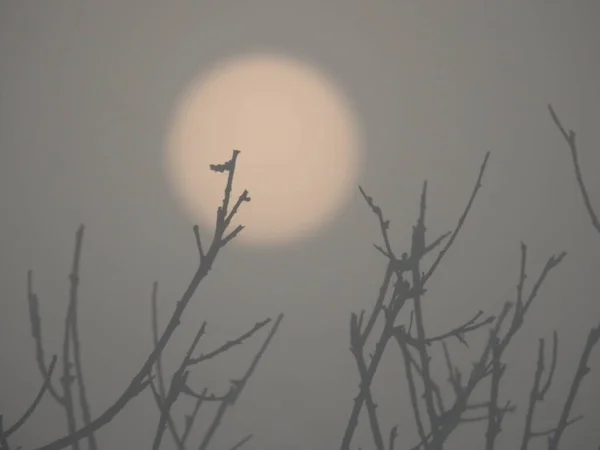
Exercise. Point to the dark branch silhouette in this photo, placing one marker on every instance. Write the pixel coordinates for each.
(435, 418)
(71, 358)
(569, 137)
(439, 406)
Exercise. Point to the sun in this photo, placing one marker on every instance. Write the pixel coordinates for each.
(300, 141)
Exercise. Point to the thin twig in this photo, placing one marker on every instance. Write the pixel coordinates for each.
(460, 223)
(74, 300)
(412, 390)
(66, 378)
(159, 392)
(141, 380)
(36, 333)
(570, 139)
(191, 418)
(237, 386)
(239, 445)
(3, 441)
(229, 344)
(38, 398)
(582, 371)
(537, 394)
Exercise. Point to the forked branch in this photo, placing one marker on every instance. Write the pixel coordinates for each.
(142, 378)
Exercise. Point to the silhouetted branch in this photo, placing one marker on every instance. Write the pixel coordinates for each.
(228, 345)
(495, 415)
(441, 409)
(417, 248)
(461, 221)
(401, 293)
(582, 371)
(242, 442)
(570, 139)
(198, 242)
(141, 380)
(458, 332)
(38, 398)
(74, 280)
(163, 408)
(412, 390)
(159, 392)
(178, 380)
(485, 365)
(370, 403)
(237, 386)
(159, 372)
(36, 333)
(384, 224)
(537, 393)
(179, 384)
(191, 418)
(399, 296)
(67, 379)
(3, 441)
(393, 436)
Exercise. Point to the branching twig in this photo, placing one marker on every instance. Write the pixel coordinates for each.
(228, 345)
(141, 380)
(460, 223)
(236, 388)
(495, 415)
(417, 248)
(412, 390)
(239, 445)
(402, 292)
(74, 280)
(458, 332)
(36, 333)
(159, 392)
(537, 392)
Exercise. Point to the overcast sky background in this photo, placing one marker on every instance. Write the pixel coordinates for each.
(86, 91)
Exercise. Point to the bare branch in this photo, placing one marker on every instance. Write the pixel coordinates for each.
(384, 225)
(190, 418)
(582, 371)
(199, 242)
(393, 436)
(460, 223)
(570, 139)
(237, 386)
(458, 332)
(412, 390)
(537, 393)
(495, 415)
(67, 378)
(36, 333)
(3, 441)
(371, 406)
(241, 443)
(229, 344)
(141, 380)
(417, 249)
(399, 296)
(74, 300)
(38, 398)
(165, 414)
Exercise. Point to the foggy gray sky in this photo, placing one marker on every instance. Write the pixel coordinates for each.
(86, 90)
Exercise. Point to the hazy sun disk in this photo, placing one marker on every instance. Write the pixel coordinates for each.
(299, 139)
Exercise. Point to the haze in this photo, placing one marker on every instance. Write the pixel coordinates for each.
(86, 91)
